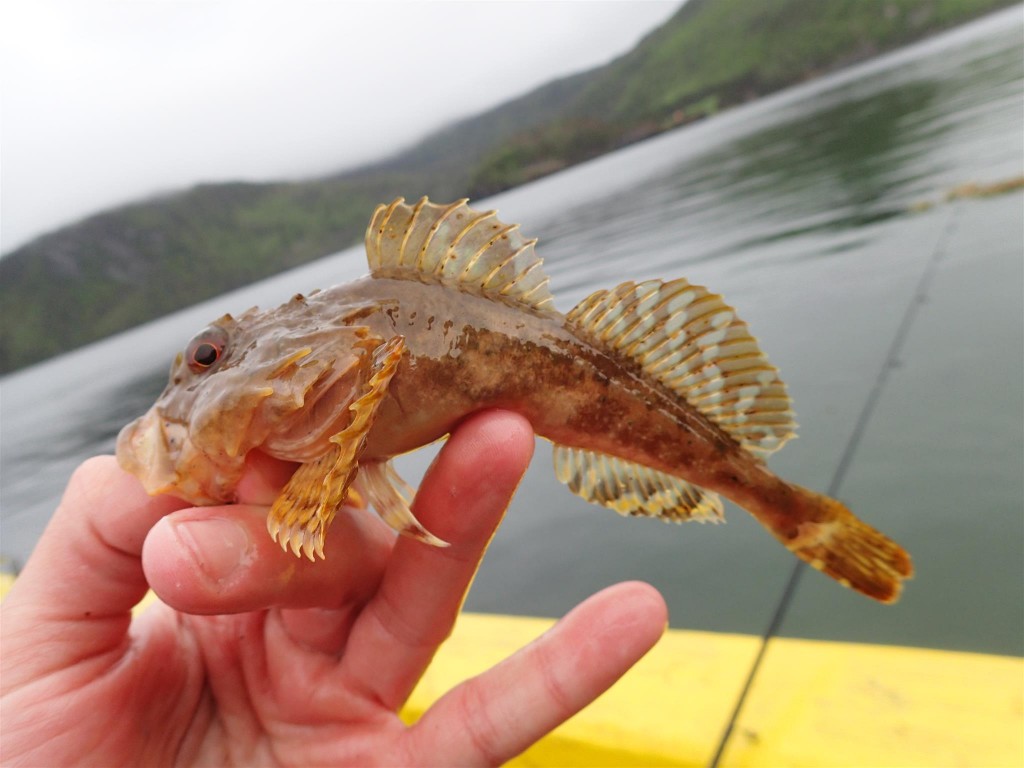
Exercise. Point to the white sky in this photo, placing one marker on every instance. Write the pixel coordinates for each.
(107, 101)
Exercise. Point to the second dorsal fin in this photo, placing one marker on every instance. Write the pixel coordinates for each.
(456, 246)
(691, 342)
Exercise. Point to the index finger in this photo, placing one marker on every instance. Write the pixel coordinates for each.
(77, 589)
(462, 499)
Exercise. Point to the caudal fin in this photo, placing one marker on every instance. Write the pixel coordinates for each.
(837, 543)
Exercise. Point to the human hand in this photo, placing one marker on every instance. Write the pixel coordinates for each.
(293, 662)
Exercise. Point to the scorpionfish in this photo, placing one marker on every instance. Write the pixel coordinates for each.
(656, 396)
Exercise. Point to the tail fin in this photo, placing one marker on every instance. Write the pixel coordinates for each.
(837, 543)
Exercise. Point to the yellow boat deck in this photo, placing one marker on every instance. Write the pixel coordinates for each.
(812, 703)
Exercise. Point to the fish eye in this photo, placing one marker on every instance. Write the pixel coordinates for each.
(206, 349)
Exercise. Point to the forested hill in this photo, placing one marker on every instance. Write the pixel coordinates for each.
(125, 266)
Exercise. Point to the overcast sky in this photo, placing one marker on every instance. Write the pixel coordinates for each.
(107, 101)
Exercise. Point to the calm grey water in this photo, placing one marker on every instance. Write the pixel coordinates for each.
(798, 209)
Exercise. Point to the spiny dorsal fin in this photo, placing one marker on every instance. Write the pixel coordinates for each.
(457, 246)
(633, 489)
(691, 342)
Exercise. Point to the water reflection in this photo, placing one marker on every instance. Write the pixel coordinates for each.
(836, 163)
(839, 167)
(847, 163)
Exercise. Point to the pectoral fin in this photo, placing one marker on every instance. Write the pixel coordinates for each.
(306, 506)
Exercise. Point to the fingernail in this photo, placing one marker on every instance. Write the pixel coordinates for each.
(218, 545)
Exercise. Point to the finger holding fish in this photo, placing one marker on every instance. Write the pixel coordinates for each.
(219, 560)
(462, 498)
(264, 478)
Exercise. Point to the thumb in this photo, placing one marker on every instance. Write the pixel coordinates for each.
(75, 594)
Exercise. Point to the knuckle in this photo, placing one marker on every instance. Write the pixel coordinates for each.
(483, 733)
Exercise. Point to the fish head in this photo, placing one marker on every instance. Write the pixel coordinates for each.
(280, 380)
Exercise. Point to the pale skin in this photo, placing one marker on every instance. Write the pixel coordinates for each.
(257, 658)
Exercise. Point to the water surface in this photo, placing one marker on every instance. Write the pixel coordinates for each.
(800, 209)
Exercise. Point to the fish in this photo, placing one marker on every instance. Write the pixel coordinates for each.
(657, 398)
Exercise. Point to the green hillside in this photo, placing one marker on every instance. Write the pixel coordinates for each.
(123, 267)
(711, 55)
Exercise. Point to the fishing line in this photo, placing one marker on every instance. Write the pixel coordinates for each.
(918, 298)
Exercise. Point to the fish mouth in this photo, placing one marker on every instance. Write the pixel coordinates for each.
(161, 455)
(143, 451)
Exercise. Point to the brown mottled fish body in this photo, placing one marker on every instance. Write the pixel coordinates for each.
(500, 356)
(655, 395)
